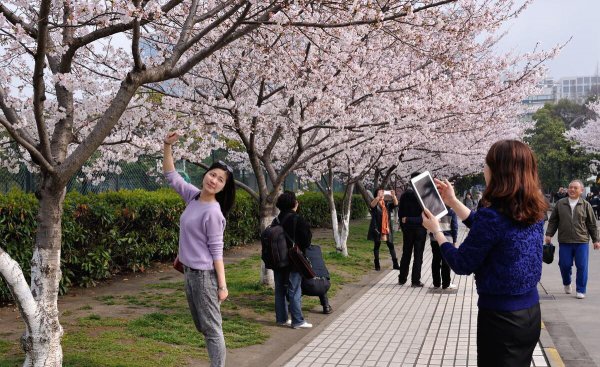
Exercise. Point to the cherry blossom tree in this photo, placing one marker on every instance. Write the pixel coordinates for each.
(79, 77)
(291, 99)
(588, 136)
(291, 82)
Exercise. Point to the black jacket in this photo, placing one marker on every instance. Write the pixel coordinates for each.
(374, 233)
(410, 208)
(302, 236)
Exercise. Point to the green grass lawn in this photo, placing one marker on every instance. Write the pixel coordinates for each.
(165, 334)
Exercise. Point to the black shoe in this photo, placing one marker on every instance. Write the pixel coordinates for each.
(396, 266)
(417, 285)
(377, 266)
(327, 309)
(401, 281)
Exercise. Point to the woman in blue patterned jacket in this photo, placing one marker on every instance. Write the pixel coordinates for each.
(504, 251)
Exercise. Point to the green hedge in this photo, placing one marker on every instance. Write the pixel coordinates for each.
(111, 232)
(126, 230)
(314, 209)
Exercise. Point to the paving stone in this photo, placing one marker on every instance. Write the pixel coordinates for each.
(412, 327)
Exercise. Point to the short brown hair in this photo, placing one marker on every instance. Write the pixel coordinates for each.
(514, 187)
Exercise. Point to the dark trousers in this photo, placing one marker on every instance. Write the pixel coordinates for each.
(324, 300)
(414, 240)
(377, 245)
(507, 339)
(440, 271)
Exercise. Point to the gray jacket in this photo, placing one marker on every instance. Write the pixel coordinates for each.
(576, 228)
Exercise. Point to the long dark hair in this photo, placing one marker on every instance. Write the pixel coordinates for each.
(225, 197)
(514, 187)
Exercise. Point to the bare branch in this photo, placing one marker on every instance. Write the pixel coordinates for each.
(135, 42)
(27, 144)
(226, 38)
(118, 28)
(39, 86)
(14, 19)
(102, 129)
(226, 16)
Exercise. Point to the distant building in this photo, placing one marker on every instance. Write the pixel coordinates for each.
(576, 88)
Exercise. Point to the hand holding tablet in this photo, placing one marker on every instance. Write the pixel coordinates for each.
(446, 191)
(428, 194)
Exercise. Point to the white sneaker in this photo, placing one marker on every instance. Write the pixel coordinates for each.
(287, 323)
(304, 325)
(568, 289)
(451, 286)
(580, 295)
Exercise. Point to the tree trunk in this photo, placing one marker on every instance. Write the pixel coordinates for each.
(38, 302)
(334, 221)
(42, 338)
(340, 229)
(344, 231)
(366, 195)
(267, 214)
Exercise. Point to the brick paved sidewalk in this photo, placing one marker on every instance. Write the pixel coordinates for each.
(393, 325)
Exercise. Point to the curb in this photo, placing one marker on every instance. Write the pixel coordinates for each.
(550, 351)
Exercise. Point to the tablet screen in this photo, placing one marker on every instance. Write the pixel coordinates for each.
(428, 194)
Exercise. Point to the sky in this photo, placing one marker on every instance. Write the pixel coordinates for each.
(553, 22)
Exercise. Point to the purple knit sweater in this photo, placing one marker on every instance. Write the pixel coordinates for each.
(505, 256)
(201, 227)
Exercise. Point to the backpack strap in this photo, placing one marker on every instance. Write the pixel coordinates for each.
(292, 240)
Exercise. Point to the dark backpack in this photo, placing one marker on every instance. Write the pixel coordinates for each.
(275, 248)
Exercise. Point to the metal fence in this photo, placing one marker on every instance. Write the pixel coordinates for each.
(139, 175)
(132, 176)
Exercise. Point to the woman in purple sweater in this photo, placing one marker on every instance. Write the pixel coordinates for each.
(504, 251)
(201, 228)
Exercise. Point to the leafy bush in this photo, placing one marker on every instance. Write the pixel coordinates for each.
(106, 233)
(314, 208)
(111, 232)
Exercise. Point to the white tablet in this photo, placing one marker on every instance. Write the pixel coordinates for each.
(428, 195)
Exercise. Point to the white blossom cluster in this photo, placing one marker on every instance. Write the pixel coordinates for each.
(353, 83)
(588, 136)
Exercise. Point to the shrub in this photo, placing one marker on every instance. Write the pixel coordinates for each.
(106, 233)
(111, 232)
(314, 208)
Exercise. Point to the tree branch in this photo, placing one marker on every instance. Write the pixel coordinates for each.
(13, 275)
(14, 19)
(135, 42)
(28, 144)
(39, 87)
(214, 24)
(353, 23)
(118, 28)
(226, 38)
(102, 129)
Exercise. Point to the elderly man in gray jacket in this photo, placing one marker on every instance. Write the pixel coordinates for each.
(575, 221)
